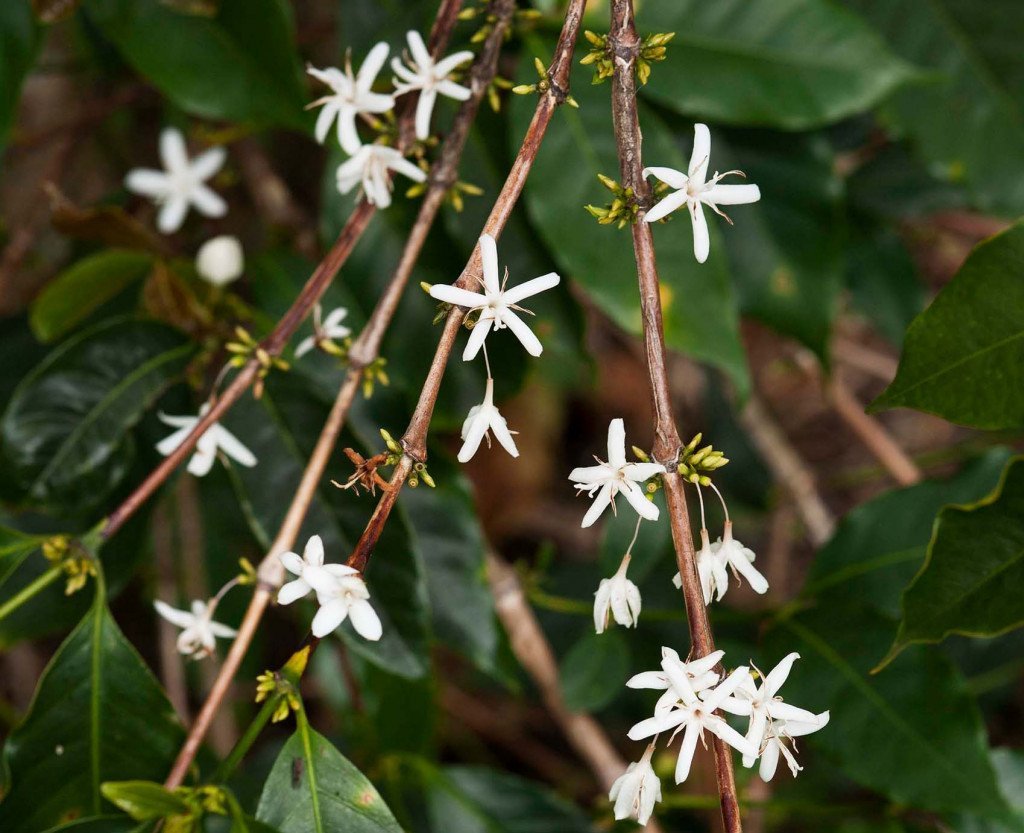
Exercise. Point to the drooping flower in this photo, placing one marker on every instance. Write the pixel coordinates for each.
(713, 561)
(695, 191)
(482, 419)
(351, 94)
(182, 182)
(695, 675)
(618, 597)
(327, 329)
(692, 715)
(220, 260)
(215, 438)
(199, 635)
(636, 791)
(610, 478)
(777, 740)
(370, 167)
(496, 304)
(710, 569)
(740, 558)
(430, 78)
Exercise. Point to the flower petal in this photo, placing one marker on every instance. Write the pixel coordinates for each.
(601, 501)
(365, 620)
(292, 562)
(172, 214)
(180, 618)
(233, 447)
(489, 263)
(476, 338)
(779, 674)
(530, 288)
(670, 176)
(638, 500)
(522, 331)
(292, 591)
(444, 67)
(686, 750)
(329, 617)
(207, 163)
(473, 438)
(701, 154)
(371, 66)
(701, 239)
(424, 109)
(731, 194)
(173, 152)
(616, 443)
(147, 182)
(501, 433)
(666, 206)
(313, 554)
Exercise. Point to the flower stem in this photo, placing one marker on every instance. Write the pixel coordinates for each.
(244, 744)
(30, 590)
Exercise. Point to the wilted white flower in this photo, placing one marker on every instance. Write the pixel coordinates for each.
(328, 329)
(370, 167)
(636, 791)
(199, 635)
(215, 438)
(181, 184)
(496, 304)
(713, 559)
(610, 478)
(695, 675)
(350, 96)
(220, 260)
(619, 597)
(429, 78)
(695, 191)
(483, 418)
(694, 714)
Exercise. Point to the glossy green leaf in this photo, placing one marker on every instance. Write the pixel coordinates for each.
(98, 715)
(144, 800)
(963, 355)
(66, 431)
(240, 64)
(699, 309)
(594, 670)
(971, 578)
(19, 40)
(792, 64)
(313, 788)
(78, 291)
(912, 732)
(969, 121)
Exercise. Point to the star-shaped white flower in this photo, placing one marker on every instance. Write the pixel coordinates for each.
(610, 478)
(496, 304)
(220, 260)
(619, 597)
(765, 708)
(371, 167)
(199, 635)
(678, 677)
(694, 714)
(713, 559)
(636, 791)
(429, 78)
(182, 183)
(351, 94)
(327, 329)
(215, 438)
(482, 419)
(695, 191)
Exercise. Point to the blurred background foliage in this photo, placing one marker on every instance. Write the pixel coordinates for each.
(887, 137)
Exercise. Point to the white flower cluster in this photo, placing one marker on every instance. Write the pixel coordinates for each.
(695, 695)
(715, 560)
(351, 96)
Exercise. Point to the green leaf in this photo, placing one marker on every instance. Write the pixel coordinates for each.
(651, 549)
(144, 800)
(313, 788)
(15, 547)
(883, 282)
(78, 291)
(98, 715)
(912, 733)
(594, 670)
(240, 64)
(962, 357)
(1009, 767)
(699, 310)
(972, 575)
(793, 64)
(99, 824)
(972, 89)
(879, 546)
(19, 41)
(66, 431)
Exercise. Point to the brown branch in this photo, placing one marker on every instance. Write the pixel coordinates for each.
(625, 45)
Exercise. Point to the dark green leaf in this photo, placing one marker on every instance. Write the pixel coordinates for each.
(66, 428)
(792, 64)
(973, 573)
(963, 356)
(144, 800)
(1009, 766)
(313, 788)
(76, 292)
(99, 824)
(98, 715)
(881, 276)
(651, 549)
(594, 671)
(14, 548)
(19, 39)
(238, 65)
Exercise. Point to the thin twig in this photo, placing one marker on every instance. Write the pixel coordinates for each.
(625, 45)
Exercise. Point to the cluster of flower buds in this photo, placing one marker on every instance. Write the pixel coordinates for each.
(523, 20)
(542, 84)
(621, 211)
(652, 50)
(697, 465)
(246, 349)
(70, 557)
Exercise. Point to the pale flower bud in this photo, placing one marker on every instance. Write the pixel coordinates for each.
(220, 260)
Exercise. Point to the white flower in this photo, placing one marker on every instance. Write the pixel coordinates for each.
(182, 182)
(694, 714)
(733, 554)
(215, 438)
(220, 260)
(340, 591)
(481, 419)
(636, 790)
(678, 677)
(496, 304)
(608, 479)
(695, 191)
(775, 743)
(329, 329)
(429, 78)
(370, 167)
(350, 96)
(764, 708)
(619, 597)
(200, 631)
(712, 560)
(710, 569)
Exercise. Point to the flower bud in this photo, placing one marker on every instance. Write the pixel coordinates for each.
(220, 260)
